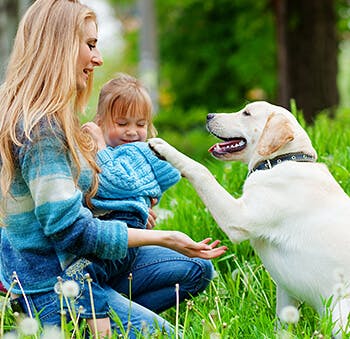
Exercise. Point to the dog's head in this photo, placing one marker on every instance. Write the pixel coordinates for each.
(259, 131)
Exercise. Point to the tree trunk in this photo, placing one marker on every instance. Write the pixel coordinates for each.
(10, 13)
(149, 49)
(306, 32)
(8, 26)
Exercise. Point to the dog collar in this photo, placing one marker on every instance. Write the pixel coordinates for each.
(269, 163)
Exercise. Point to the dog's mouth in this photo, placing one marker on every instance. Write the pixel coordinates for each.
(229, 146)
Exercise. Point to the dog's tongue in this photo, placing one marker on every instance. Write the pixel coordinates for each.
(227, 147)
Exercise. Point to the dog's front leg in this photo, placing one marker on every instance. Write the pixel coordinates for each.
(283, 299)
(228, 212)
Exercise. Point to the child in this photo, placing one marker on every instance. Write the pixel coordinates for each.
(131, 176)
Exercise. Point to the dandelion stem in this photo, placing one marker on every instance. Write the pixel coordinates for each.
(218, 309)
(24, 295)
(130, 306)
(92, 305)
(7, 297)
(177, 311)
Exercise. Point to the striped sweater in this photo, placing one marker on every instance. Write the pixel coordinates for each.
(46, 222)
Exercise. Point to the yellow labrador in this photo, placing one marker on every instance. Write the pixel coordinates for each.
(292, 210)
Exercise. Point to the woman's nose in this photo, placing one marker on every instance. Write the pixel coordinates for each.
(97, 58)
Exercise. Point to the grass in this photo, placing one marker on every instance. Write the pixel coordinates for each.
(240, 301)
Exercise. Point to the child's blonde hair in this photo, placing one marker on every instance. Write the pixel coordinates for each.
(121, 96)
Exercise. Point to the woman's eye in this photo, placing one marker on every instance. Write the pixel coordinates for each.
(91, 46)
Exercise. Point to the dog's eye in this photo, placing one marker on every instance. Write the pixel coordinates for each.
(246, 113)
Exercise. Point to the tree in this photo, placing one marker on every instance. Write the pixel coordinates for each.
(214, 52)
(10, 13)
(307, 54)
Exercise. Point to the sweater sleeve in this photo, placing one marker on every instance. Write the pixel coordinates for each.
(165, 173)
(132, 170)
(47, 170)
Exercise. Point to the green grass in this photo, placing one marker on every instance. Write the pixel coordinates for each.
(240, 301)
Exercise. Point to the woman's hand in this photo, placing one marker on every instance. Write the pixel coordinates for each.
(96, 132)
(182, 243)
(176, 241)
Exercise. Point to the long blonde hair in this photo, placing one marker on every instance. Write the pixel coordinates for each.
(121, 96)
(41, 81)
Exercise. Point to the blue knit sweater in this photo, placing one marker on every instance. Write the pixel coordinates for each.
(46, 221)
(131, 175)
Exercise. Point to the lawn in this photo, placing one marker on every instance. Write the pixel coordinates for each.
(240, 301)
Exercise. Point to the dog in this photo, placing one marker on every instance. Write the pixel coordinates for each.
(293, 211)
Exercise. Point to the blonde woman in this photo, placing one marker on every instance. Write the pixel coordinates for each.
(48, 169)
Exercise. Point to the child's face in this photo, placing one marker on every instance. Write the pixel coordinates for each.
(126, 129)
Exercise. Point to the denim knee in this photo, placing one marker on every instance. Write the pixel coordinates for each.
(202, 273)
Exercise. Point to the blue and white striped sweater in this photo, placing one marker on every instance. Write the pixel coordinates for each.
(46, 221)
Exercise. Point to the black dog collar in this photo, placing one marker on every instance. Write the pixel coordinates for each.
(269, 163)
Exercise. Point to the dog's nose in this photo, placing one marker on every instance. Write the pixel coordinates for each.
(210, 116)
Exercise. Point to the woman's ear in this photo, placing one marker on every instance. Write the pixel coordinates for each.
(277, 133)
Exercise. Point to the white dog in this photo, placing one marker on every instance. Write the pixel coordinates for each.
(292, 210)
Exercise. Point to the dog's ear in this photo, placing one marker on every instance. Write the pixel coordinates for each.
(277, 133)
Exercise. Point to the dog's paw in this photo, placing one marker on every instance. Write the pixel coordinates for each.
(160, 147)
(182, 162)
(165, 151)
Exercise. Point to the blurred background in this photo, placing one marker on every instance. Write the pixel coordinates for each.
(201, 56)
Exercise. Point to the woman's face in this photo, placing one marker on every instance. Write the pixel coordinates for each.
(89, 56)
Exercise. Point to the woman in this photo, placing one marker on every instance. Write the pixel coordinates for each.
(48, 171)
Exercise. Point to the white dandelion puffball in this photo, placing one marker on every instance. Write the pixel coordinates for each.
(29, 326)
(52, 332)
(340, 291)
(70, 289)
(290, 315)
(10, 335)
(235, 274)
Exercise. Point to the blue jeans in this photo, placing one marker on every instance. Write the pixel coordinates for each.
(155, 271)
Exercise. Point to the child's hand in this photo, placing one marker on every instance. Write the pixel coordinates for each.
(96, 132)
(152, 216)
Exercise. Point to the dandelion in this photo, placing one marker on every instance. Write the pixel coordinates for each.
(235, 274)
(290, 315)
(340, 290)
(52, 332)
(283, 334)
(29, 326)
(10, 335)
(70, 289)
(214, 335)
(190, 304)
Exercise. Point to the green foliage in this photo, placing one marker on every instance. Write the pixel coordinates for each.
(214, 52)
